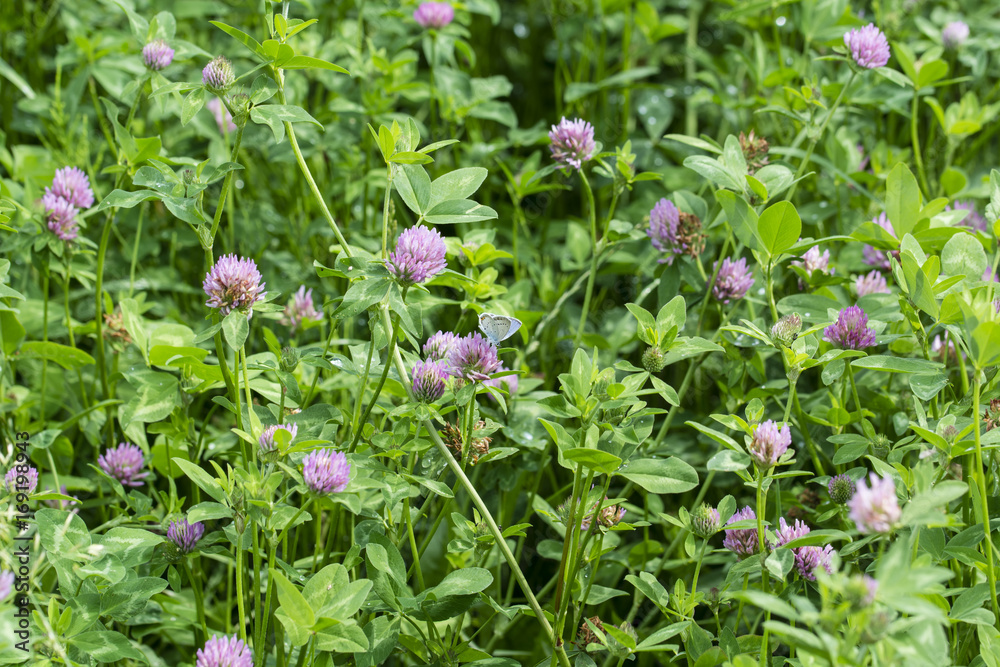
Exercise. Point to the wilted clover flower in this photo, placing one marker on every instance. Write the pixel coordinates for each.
(572, 142)
(185, 535)
(326, 471)
(608, 516)
(71, 184)
(61, 217)
(419, 255)
(157, 55)
(705, 521)
(851, 330)
(6, 584)
(955, 34)
(428, 381)
(510, 381)
(873, 256)
(218, 75)
(742, 541)
(868, 46)
(439, 345)
(974, 219)
(233, 284)
(224, 651)
(808, 559)
(124, 463)
(733, 281)
(223, 118)
(300, 309)
(473, 358)
(874, 507)
(871, 283)
(268, 447)
(841, 488)
(755, 150)
(786, 330)
(769, 443)
(12, 483)
(434, 14)
(814, 260)
(991, 418)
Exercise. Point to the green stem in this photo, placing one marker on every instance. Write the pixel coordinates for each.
(917, 155)
(241, 609)
(854, 390)
(199, 601)
(226, 183)
(378, 390)
(593, 259)
(981, 483)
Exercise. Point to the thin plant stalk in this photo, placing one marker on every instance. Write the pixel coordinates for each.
(593, 259)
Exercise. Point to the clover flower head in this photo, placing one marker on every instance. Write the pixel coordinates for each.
(851, 330)
(218, 75)
(954, 34)
(607, 517)
(742, 541)
(871, 283)
(733, 281)
(61, 216)
(786, 330)
(12, 483)
(705, 521)
(572, 142)
(125, 463)
(814, 260)
(326, 471)
(419, 255)
(664, 219)
(439, 345)
(428, 381)
(6, 584)
(868, 46)
(185, 535)
(473, 358)
(841, 488)
(300, 309)
(872, 255)
(233, 284)
(808, 559)
(769, 443)
(224, 651)
(974, 219)
(268, 447)
(786, 533)
(71, 184)
(434, 14)
(157, 55)
(874, 507)
(223, 118)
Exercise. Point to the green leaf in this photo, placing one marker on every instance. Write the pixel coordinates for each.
(456, 211)
(68, 357)
(292, 601)
(236, 328)
(457, 184)
(779, 227)
(241, 37)
(896, 364)
(276, 115)
(467, 581)
(669, 475)
(902, 199)
(414, 187)
(594, 459)
(107, 646)
(308, 62)
(205, 482)
(963, 255)
(192, 104)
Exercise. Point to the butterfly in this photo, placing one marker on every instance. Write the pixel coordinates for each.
(498, 327)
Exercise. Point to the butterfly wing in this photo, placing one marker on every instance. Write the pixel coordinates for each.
(498, 327)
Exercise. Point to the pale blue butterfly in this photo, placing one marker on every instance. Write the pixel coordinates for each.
(498, 327)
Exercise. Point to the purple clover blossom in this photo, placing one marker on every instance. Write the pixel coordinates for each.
(769, 444)
(326, 471)
(872, 283)
(224, 651)
(62, 504)
(664, 220)
(124, 463)
(61, 217)
(974, 219)
(185, 535)
(572, 142)
(6, 584)
(12, 484)
(868, 46)
(439, 345)
(419, 255)
(813, 260)
(71, 184)
(300, 309)
(218, 75)
(705, 521)
(809, 559)
(266, 439)
(223, 118)
(157, 55)
(473, 358)
(428, 381)
(742, 541)
(954, 34)
(873, 256)
(872, 586)
(510, 381)
(733, 281)
(233, 284)
(874, 507)
(851, 330)
(786, 533)
(434, 14)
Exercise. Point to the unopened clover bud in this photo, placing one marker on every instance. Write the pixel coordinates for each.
(860, 591)
(841, 488)
(240, 104)
(218, 75)
(236, 500)
(188, 176)
(604, 380)
(705, 521)
(652, 360)
(880, 446)
(878, 625)
(786, 330)
(289, 359)
(240, 522)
